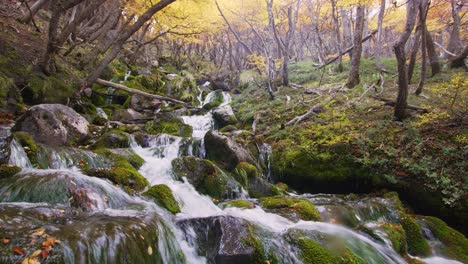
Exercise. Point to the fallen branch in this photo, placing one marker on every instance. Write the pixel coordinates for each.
(138, 92)
(347, 50)
(393, 103)
(444, 49)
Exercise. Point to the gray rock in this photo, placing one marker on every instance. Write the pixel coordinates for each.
(54, 125)
(140, 103)
(127, 116)
(225, 151)
(224, 115)
(221, 239)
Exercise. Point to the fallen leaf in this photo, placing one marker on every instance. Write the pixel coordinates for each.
(44, 254)
(19, 250)
(38, 232)
(30, 260)
(5, 240)
(150, 250)
(35, 254)
(50, 241)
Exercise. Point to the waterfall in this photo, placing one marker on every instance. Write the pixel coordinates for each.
(265, 152)
(18, 156)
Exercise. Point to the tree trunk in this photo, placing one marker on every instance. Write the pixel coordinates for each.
(38, 5)
(123, 36)
(414, 53)
(423, 8)
(378, 45)
(431, 53)
(455, 44)
(336, 26)
(353, 78)
(399, 49)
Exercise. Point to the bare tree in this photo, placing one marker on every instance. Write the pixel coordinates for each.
(399, 49)
(353, 78)
(455, 44)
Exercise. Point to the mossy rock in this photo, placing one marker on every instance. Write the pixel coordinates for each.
(162, 194)
(134, 159)
(397, 236)
(173, 126)
(417, 245)
(306, 210)
(455, 244)
(280, 188)
(395, 200)
(227, 129)
(113, 139)
(29, 144)
(7, 170)
(240, 204)
(245, 171)
(121, 173)
(252, 240)
(313, 252)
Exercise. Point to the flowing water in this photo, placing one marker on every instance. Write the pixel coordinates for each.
(98, 222)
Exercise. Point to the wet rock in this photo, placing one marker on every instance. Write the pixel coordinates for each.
(205, 177)
(222, 239)
(292, 208)
(225, 151)
(54, 124)
(224, 115)
(143, 139)
(162, 195)
(113, 139)
(170, 126)
(249, 176)
(7, 170)
(141, 104)
(127, 116)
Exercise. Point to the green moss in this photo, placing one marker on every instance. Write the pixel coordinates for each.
(240, 204)
(417, 245)
(256, 244)
(52, 89)
(214, 185)
(455, 243)
(397, 236)
(29, 144)
(7, 170)
(245, 171)
(5, 85)
(122, 172)
(280, 188)
(174, 126)
(303, 207)
(395, 199)
(314, 253)
(164, 197)
(112, 139)
(229, 128)
(135, 160)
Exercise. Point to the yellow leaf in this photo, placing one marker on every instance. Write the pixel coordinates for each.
(38, 232)
(150, 250)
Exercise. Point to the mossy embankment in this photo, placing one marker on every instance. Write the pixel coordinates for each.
(353, 144)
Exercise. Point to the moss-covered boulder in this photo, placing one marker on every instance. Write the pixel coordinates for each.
(293, 208)
(172, 126)
(205, 177)
(397, 236)
(225, 151)
(112, 139)
(417, 245)
(227, 129)
(7, 170)
(313, 252)
(134, 159)
(240, 204)
(54, 124)
(29, 144)
(121, 172)
(245, 171)
(162, 194)
(224, 115)
(280, 188)
(455, 244)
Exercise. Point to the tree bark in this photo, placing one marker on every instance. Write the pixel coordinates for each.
(399, 49)
(423, 9)
(378, 45)
(353, 78)
(336, 27)
(455, 44)
(38, 5)
(431, 53)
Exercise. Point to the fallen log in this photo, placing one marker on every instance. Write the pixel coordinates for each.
(138, 92)
(393, 103)
(347, 50)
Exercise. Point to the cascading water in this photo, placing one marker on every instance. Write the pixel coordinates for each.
(106, 216)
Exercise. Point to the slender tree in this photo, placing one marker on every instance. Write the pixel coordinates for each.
(353, 78)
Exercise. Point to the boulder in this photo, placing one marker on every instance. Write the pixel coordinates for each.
(170, 126)
(225, 151)
(223, 239)
(140, 103)
(54, 125)
(224, 115)
(113, 139)
(206, 177)
(163, 196)
(127, 116)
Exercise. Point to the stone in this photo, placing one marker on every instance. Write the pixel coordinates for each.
(224, 115)
(140, 103)
(54, 125)
(127, 116)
